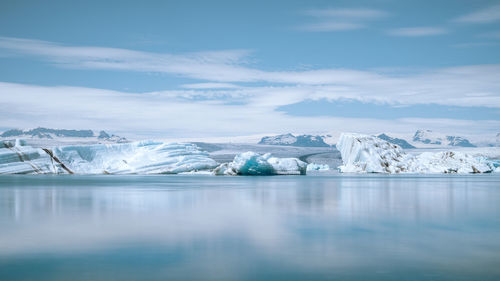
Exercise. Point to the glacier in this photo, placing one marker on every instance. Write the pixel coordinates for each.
(251, 163)
(18, 158)
(368, 154)
(144, 157)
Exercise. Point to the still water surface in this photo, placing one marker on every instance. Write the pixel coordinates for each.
(323, 227)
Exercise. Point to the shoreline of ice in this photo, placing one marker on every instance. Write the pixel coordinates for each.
(359, 154)
(142, 157)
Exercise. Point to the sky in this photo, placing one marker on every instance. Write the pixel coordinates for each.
(181, 69)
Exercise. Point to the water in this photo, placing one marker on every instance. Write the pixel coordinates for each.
(323, 227)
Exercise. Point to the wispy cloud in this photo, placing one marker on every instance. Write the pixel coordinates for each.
(417, 31)
(218, 65)
(221, 72)
(340, 19)
(486, 15)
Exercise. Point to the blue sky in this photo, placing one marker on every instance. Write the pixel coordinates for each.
(226, 68)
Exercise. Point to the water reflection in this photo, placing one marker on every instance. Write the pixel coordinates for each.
(226, 228)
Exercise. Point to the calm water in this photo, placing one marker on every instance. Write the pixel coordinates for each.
(329, 227)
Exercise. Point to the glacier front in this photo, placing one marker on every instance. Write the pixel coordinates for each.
(369, 154)
(18, 158)
(144, 157)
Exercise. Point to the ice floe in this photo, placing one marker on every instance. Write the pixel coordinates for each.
(251, 163)
(369, 154)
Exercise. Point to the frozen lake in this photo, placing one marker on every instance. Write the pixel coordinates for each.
(324, 226)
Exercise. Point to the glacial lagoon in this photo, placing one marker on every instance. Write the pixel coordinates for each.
(323, 226)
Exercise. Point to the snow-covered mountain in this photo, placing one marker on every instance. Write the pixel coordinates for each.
(429, 137)
(291, 140)
(111, 138)
(39, 136)
(401, 142)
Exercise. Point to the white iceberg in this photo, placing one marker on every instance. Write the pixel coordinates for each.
(146, 157)
(317, 167)
(363, 153)
(251, 163)
(369, 154)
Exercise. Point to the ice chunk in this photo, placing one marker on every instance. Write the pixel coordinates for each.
(317, 167)
(251, 163)
(363, 153)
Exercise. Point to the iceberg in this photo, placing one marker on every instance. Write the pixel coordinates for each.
(18, 158)
(145, 157)
(363, 153)
(317, 167)
(369, 154)
(251, 164)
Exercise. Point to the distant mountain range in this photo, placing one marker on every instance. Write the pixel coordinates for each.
(401, 142)
(52, 134)
(421, 138)
(291, 140)
(430, 137)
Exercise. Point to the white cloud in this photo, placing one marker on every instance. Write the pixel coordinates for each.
(218, 105)
(417, 31)
(179, 114)
(486, 15)
(461, 86)
(217, 65)
(340, 19)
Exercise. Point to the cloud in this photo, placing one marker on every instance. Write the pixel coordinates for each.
(230, 97)
(220, 72)
(486, 15)
(340, 19)
(229, 112)
(217, 65)
(417, 31)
